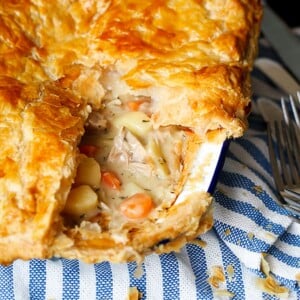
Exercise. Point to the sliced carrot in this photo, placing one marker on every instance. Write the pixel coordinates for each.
(137, 206)
(135, 105)
(111, 180)
(88, 150)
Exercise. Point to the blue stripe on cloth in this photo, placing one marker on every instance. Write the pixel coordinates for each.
(249, 211)
(291, 284)
(104, 281)
(269, 297)
(259, 175)
(255, 153)
(291, 239)
(37, 279)
(199, 267)
(137, 277)
(257, 272)
(234, 282)
(240, 237)
(170, 276)
(70, 273)
(285, 258)
(6, 279)
(241, 181)
(256, 123)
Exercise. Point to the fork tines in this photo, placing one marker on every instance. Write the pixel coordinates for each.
(284, 150)
(293, 106)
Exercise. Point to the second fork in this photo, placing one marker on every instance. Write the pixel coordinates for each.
(284, 153)
(293, 106)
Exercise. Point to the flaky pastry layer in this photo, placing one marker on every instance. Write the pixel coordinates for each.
(60, 59)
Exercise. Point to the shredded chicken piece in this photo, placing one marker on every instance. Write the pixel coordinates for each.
(127, 148)
(142, 168)
(137, 150)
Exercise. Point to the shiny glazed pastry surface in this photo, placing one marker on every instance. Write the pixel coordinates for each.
(105, 100)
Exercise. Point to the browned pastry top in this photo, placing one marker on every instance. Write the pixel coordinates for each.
(188, 62)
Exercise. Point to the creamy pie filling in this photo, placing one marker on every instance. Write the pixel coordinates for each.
(127, 168)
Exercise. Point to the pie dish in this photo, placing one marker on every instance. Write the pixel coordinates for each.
(106, 107)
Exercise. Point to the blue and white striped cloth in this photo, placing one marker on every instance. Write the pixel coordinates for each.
(248, 222)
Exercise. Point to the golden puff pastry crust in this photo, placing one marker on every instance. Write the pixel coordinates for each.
(40, 128)
(166, 230)
(192, 57)
(183, 65)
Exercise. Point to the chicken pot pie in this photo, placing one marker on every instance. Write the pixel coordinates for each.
(105, 106)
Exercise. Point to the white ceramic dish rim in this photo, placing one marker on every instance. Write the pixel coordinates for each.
(207, 167)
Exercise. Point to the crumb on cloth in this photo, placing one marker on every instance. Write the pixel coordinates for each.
(269, 284)
(216, 276)
(297, 277)
(217, 281)
(258, 189)
(198, 242)
(133, 293)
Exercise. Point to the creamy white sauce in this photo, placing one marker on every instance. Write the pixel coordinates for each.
(149, 162)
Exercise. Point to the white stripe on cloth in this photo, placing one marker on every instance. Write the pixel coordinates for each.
(292, 256)
(293, 250)
(120, 277)
(54, 279)
(250, 259)
(249, 160)
(187, 278)
(242, 169)
(259, 143)
(293, 296)
(245, 224)
(246, 196)
(213, 254)
(153, 277)
(21, 280)
(250, 281)
(294, 229)
(281, 269)
(87, 281)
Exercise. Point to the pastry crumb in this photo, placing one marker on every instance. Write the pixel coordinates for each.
(230, 272)
(264, 265)
(227, 232)
(133, 293)
(216, 276)
(198, 242)
(258, 189)
(217, 281)
(271, 286)
(250, 235)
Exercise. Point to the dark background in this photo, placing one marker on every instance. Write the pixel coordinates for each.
(287, 10)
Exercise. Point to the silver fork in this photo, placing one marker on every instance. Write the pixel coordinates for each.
(293, 106)
(284, 151)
